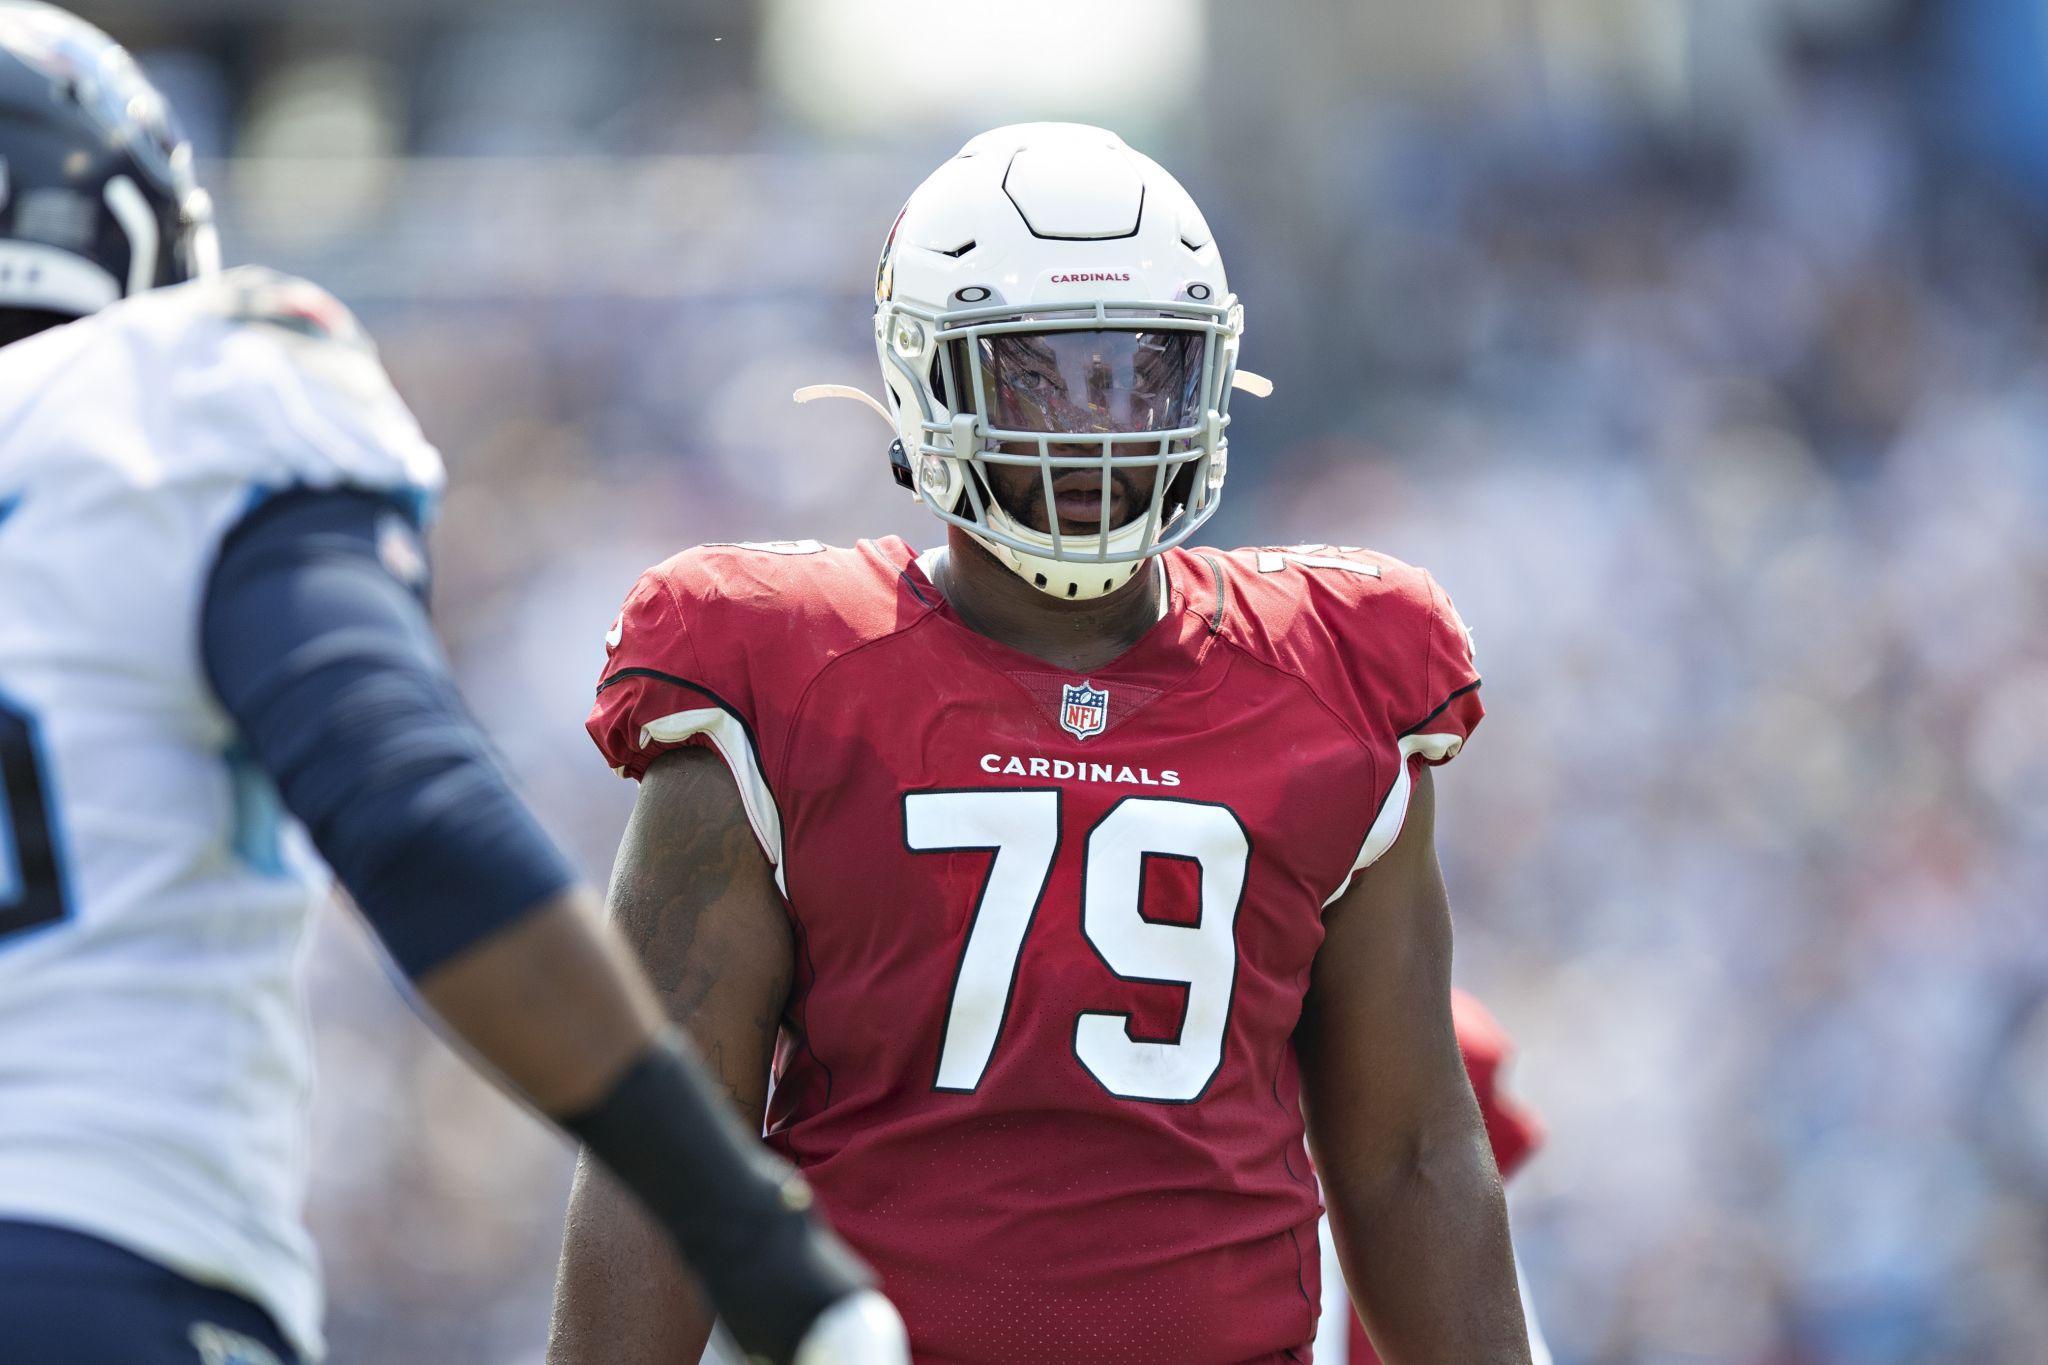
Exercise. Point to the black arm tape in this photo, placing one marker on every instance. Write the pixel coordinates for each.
(737, 1211)
(318, 645)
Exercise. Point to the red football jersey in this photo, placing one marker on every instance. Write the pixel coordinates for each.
(1511, 1127)
(1053, 931)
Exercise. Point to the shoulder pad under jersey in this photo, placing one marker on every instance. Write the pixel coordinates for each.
(250, 376)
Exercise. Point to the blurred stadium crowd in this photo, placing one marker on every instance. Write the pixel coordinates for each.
(1720, 409)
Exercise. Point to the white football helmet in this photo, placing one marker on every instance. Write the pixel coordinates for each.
(1050, 298)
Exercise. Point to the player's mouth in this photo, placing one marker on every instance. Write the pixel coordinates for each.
(1077, 498)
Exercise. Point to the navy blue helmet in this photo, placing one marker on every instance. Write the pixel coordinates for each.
(97, 195)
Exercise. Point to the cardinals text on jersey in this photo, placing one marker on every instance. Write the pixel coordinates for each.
(1074, 1132)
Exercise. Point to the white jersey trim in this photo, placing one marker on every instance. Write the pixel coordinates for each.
(1386, 826)
(730, 738)
(1333, 1325)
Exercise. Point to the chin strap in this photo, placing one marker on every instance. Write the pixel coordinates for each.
(1244, 381)
(810, 393)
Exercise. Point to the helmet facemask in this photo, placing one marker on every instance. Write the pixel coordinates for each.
(1118, 410)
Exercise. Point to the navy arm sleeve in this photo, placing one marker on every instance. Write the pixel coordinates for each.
(316, 639)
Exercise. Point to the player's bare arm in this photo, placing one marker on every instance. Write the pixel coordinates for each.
(693, 895)
(1415, 1201)
(552, 1002)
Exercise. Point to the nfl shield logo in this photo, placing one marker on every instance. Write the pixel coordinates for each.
(1084, 709)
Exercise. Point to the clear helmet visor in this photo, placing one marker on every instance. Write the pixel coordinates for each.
(1089, 383)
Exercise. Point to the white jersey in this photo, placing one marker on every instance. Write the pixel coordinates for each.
(154, 1057)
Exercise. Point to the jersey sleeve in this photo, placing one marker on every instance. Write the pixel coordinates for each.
(275, 386)
(1449, 682)
(676, 673)
(315, 640)
(1378, 640)
(1413, 686)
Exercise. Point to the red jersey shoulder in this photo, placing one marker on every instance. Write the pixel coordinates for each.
(1377, 639)
(712, 607)
(744, 627)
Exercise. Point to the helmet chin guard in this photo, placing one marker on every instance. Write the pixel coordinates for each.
(1051, 300)
(1064, 578)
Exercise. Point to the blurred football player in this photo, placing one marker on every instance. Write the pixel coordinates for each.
(1062, 875)
(211, 597)
(1512, 1130)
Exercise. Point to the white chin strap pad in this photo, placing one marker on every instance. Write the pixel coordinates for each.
(1067, 579)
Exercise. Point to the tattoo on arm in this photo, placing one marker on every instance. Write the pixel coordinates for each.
(696, 898)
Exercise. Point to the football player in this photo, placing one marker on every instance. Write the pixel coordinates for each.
(1062, 876)
(1512, 1130)
(211, 612)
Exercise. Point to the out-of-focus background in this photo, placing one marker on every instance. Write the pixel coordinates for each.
(1696, 345)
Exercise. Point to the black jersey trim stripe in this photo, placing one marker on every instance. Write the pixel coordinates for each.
(1416, 728)
(660, 676)
(1222, 593)
(746, 727)
(1301, 1277)
(915, 591)
(798, 1011)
